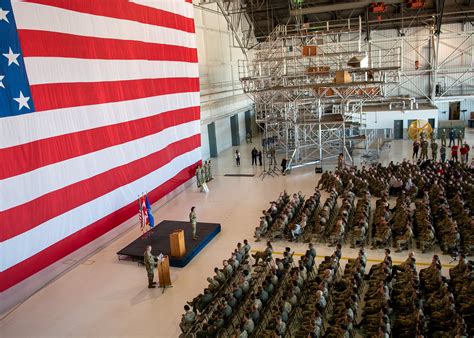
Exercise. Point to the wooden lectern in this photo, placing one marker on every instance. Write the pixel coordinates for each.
(163, 268)
(178, 248)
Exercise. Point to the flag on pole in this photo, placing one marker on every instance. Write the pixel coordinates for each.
(144, 218)
(151, 219)
(140, 213)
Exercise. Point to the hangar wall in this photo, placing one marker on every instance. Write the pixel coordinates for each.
(221, 91)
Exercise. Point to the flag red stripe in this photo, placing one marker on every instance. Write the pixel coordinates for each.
(125, 10)
(29, 156)
(55, 252)
(63, 95)
(52, 44)
(22, 218)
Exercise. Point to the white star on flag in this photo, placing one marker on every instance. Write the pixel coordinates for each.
(3, 15)
(1, 83)
(12, 57)
(22, 101)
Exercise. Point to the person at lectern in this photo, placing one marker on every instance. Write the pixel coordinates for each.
(150, 264)
(192, 220)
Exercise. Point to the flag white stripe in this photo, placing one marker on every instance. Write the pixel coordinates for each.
(67, 70)
(179, 7)
(27, 128)
(33, 241)
(52, 19)
(33, 184)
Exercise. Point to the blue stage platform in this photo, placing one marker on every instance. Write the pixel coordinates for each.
(158, 238)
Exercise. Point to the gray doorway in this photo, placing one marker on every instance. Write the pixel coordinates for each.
(454, 110)
(234, 129)
(211, 132)
(398, 129)
(248, 123)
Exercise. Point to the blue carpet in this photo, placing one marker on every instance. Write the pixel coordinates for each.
(158, 238)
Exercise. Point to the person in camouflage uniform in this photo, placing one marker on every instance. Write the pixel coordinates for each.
(150, 262)
(434, 150)
(424, 150)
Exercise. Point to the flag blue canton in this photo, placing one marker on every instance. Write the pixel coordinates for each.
(15, 92)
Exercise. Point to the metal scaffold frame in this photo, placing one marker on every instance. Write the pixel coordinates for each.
(238, 20)
(303, 110)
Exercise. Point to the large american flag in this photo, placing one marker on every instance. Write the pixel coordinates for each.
(99, 101)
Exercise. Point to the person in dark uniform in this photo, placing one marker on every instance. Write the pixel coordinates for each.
(452, 137)
(254, 156)
(259, 155)
(416, 147)
(284, 162)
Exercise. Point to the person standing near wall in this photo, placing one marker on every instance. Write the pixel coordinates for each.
(464, 153)
(443, 137)
(193, 221)
(454, 152)
(434, 150)
(416, 147)
(460, 136)
(452, 135)
(340, 161)
(442, 152)
(424, 150)
(209, 165)
(237, 158)
(273, 156)
(284, 162)
(198, 176)
(467, 153)
(254, 156)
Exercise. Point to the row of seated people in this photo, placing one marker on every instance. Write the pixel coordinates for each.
(247, 313)
(311, 207)
(400, 229)
(451, 179)
(439, 308)
(239, 308)
(462, 286)
(397, 225)
(419, 305)
(270, 215)
(336, 231)
(406, 300)
(314, 307)
(324, 217)
(346, 298)
(414, 178)
(376, 312)
(381, 230)
(235, 271)
(462, 212)
(281, 307)
(423, 224)
(331, 181)
(401, 222)
(361, 220)
(280, 225)
(445, 225)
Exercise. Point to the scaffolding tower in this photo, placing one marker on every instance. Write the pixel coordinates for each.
(310, 85)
